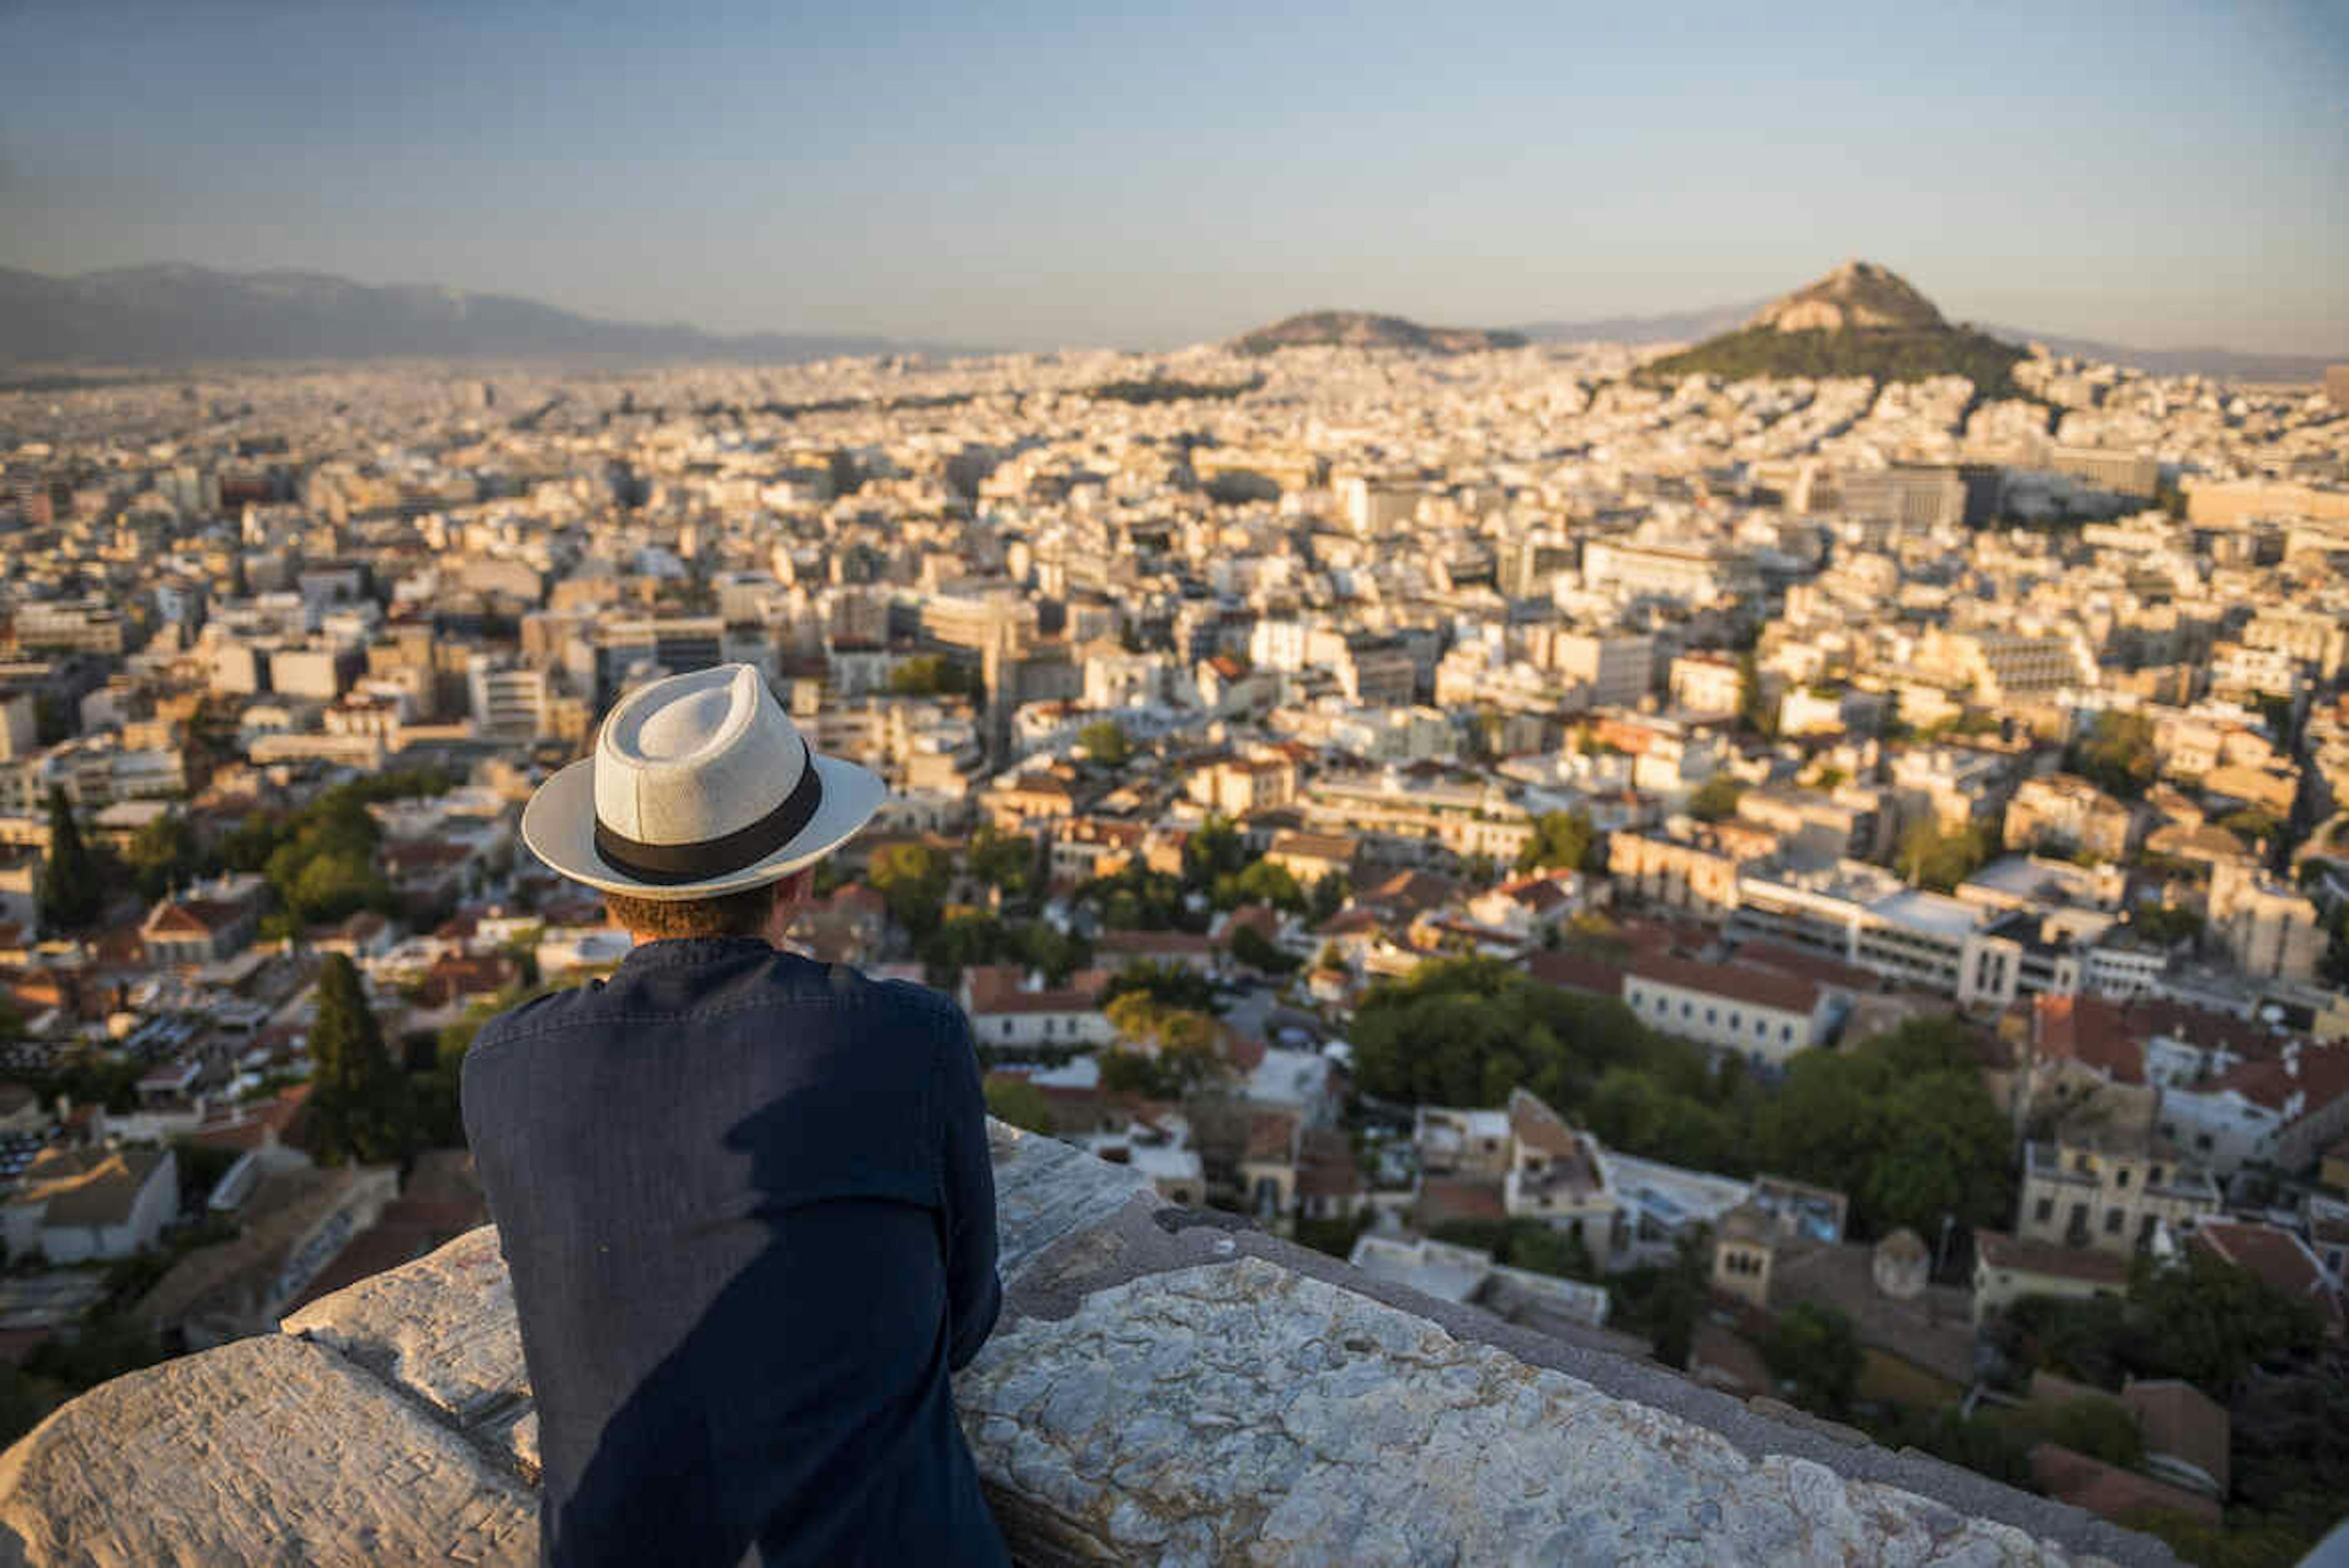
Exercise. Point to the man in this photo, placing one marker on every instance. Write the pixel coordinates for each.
(745, 1197)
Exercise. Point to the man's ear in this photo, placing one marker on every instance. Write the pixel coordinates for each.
(791, 897)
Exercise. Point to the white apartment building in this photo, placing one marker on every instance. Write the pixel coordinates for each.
(2269, 928)
(1687, 573)
(1706, 683)
(506, 700)
(1864, 915)
(1761, 1016)
(2006, 667)
(1617, 670)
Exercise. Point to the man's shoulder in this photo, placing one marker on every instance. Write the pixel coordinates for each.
(913, 1006)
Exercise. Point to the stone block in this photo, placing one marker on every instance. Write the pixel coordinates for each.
(267, 1450)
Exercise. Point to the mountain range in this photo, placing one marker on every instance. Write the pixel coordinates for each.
(172, 315)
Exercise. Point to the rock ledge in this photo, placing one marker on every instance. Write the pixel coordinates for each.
(1160, 1390)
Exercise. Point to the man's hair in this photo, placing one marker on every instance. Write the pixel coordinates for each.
(743, 913)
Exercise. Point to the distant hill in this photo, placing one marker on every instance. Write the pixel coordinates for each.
(1360, 329)
(174, 315)
(1859, 320)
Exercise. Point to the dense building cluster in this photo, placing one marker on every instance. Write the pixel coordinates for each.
(1245, 715)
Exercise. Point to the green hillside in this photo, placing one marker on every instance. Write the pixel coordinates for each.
(1887, 354)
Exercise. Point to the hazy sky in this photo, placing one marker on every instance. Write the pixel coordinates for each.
(2156, 174)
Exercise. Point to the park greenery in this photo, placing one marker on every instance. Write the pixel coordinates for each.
(1940, 858)
(933, 674)
(1898, 1123)
(1105, 742)
(1883, 354)
(1019, 1103)
(2116, 754)
(2205, 1320)
(1566, 840)
(1715, 800)
(1814, 1352)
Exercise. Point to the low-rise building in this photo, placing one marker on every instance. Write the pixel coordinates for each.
(86, 1206)
(2110, 1192)
(1760, 1014)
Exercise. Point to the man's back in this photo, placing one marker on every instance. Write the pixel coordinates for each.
(748, 1208)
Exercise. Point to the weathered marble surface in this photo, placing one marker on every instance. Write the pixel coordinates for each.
(1163, 1388)
(1242, 1413)
(442, 1331)
(268, 1450)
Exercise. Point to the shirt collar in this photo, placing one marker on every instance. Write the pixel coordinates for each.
(676, 950)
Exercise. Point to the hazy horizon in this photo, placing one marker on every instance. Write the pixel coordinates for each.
(2162, 178)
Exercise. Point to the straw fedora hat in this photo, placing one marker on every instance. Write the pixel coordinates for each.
(699, 785)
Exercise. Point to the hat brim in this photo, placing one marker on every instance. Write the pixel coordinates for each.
(559, 826)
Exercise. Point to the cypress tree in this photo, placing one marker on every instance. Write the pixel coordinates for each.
(360, 1103)
(70, 892)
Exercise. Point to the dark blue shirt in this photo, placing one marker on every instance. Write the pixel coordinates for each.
(747, 1206)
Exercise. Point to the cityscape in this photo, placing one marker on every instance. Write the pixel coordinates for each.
(1612, 757)
(1832, 885)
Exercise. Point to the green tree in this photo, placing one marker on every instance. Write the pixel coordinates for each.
(2116, 754)
(1715, 798)
(1327, 896)
(1263, 883)
(1756, 714)
(932, 675)
(360, 1103)
(1561, 839)
(1105, 742)
(70, 892)
(1021, 1103)
(964, 939)
(2101, 1428)
(1170, 984)
(161, 855)
(1057, 954)
(1212, 851)
(1940, 861)
(1947, 1152)
(2214, 1321)
(911, 879)
(322, 864)
(1005, 862)
(1260, 952)
(1816, 1350)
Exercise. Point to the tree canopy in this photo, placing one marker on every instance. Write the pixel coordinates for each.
(361, 1106)
(2116, 754)
(1563, 839)
(1105, 742)
(70, 892)
(1815, 1349)
(1940, 860)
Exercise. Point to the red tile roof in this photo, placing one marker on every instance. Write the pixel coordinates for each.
(2002, 1251)
(2108, 1490)
(2319, 1072)
(2280, 1258)
(2093, 1033)
(1574, 972)
(1733, 982)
